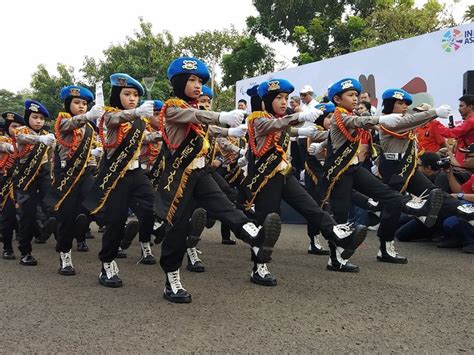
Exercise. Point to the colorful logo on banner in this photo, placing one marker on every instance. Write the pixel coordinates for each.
(452, 40)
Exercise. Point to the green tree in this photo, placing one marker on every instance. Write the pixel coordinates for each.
(224, 99)
(210, 46)
(469, 15)
(10, 101)
(46, 87)
(143, 55)
(248, 58)
(322, 28)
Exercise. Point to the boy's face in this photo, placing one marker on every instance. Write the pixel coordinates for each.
(155, 120)
(205, 101)
(400, 107)
(78, 106)
(280, 104)
(36, 121)
(193, 87)
(347, 100)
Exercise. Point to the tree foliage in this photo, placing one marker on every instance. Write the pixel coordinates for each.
(248, 58)
(469, 14)
(323, 28)
(10, 101)
(46, 87)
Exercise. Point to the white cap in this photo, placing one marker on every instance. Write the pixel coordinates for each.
(306, 89)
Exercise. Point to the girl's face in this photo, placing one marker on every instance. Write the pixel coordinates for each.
(327, 121)
(280, 104)
(205, 101)
(193, 87)
(400, 107)
(129, 98)
(36, 121)
(12, 127)
(78, 106)
(347, 100)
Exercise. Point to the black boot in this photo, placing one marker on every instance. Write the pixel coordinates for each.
(129, 233)
(198, 223)
(337, 263)
(28, 260)
(174, 291)
(426, 210)
(388, 254)
(8, 254)
(194, 262)
(262, 239)
(48, 229)
(159, 231)
(82, 246)
(147, 256)
(315, 248)
(109, 275)
(65, 264)
(346, 237)
(261, 276)
(121, 254)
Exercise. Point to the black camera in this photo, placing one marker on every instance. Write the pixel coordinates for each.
(444, 163)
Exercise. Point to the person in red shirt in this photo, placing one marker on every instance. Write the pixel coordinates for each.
(429, 137)
(464, 133)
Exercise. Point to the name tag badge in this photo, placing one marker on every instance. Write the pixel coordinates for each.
(391, 156)
(63, 164)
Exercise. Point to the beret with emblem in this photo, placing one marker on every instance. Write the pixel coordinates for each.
(126, 81)
(76, 91)
(275, 86)
(10, 116)
(35, 106)
(397, 94)
(342, 86)
(207, 91)
(326, 107)
(253, 91)
(188, 65)
(157, 105)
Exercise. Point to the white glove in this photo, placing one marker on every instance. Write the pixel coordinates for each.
(9, 148)
(242, 152)
(391, 120)
(242, 162)
(145, 110)
(232, 118)
(310, 115)
(96, 152)
(95, 113)
(315, 148)
(307, 131)
(239, 131)
(443, 111)
(47, 139)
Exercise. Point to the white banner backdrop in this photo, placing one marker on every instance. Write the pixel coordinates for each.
(431, 67)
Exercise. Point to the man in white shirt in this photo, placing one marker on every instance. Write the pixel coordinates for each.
(365, 97)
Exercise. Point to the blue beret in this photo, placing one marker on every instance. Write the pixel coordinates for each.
(126, 81)
(253, 91)
(188, 65)
(157, 105)
(10, 116)
(397, 94)
(344, 85)
(326, 107)
(275, 85)
(207, 91)
(35, 106)
(76, 91)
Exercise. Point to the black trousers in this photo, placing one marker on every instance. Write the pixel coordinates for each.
(8, 224)
(419, 184)
(366, 183)
(133, 190)
(70, 209)
(290, 190)
(206, 194)
(28, 202)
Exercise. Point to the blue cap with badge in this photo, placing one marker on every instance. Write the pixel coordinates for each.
(76, 91)
(207, 91)
(326, 107)
(37, 107)
(342, 86)
(126, 81)
(188, 65)
(157, 105)
(397, 94)
(275, 86)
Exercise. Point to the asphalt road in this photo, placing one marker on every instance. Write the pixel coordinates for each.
(424, 306)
